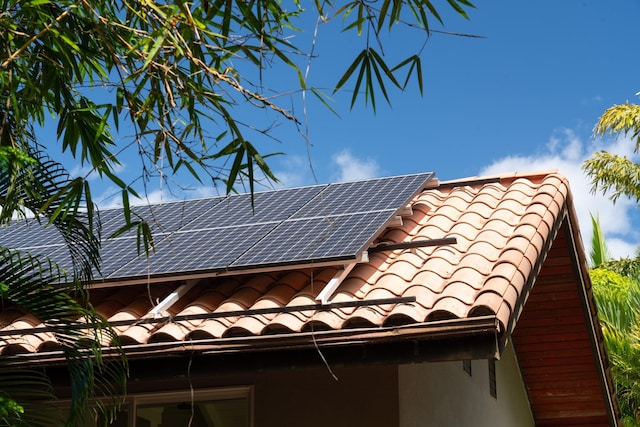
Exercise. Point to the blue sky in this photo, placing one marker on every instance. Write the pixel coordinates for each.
(524, 97)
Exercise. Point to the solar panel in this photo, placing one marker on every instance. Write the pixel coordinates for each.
(268, 206)
(328, 223)
(189, 251)
(309, 240)
(29, 234)
(363, 196)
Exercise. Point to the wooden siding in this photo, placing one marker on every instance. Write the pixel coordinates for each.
(551, 338)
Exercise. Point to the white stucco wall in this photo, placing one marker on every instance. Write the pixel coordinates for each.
(442, 394)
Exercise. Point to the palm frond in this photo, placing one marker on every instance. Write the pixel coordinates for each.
(30, 283)
(32, 183)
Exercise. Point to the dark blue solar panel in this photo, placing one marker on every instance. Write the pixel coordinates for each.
(198, 250)
(314, 239)
(294, 226)
(363, 196)
(29, 234)
(268, 206)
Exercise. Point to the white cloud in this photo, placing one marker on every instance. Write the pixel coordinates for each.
(294, 171)
(351, 168)
(566, 153)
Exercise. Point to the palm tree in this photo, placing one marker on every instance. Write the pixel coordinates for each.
(616, 287)
(31, 183)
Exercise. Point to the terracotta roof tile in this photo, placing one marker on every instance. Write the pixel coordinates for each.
(500, 227)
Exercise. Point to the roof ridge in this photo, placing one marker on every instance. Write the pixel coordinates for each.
(475, 180)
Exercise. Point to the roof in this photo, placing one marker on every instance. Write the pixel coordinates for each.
(497, 259)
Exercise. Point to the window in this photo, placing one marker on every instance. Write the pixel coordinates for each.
(228, 407)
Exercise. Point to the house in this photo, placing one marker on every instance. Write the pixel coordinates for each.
(467, 304)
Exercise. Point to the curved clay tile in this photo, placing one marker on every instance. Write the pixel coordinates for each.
(440, 314)
(139, 334)
(12, 349)
(240, 300)
(450, 212)
(508, 304)
(461, 196)
(277, 296)
(326, 320)
(25, 343)
(496, 284)
(363, 273)
(491, 302)
(464, 231)
(507, 215)
(496, 189)
(438, 225)
(526, 187)
(481, 310)
(355, 287)
(293, 322)
(496, 231)
(430, 231)
(427, 279)
(453, 305)
(468, 275)
(315, 326)
(304, 297)
(172, 331)
(462, 291)
(395, 276)
(403, 314)
(395, 235)
(364, 318)
(248, 325)
(211, 328)
(49, 346)
(501, 229)
(442, 266)
(473, 217)
(10, 315)
(413, 257)
(259, 283)
(425, 297)
(205, 302)
(380, 292)
(484, 204)
(478, 260)
(508, 270)
(526, 231)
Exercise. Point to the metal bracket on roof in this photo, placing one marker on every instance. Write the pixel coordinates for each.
(396, 221)
(406, 211)
(380, 247)
(327, 292)
(172, 298)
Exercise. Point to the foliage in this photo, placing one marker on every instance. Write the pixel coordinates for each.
(599, 253)
(616, 288)
(170, 80)
(172, 73)
(609, 172)
(623, 119)
(31, 183)
(618, 299)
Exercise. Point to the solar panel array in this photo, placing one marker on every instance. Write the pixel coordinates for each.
(321, 223)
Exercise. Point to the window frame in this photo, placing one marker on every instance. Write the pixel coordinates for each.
(132, 401)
